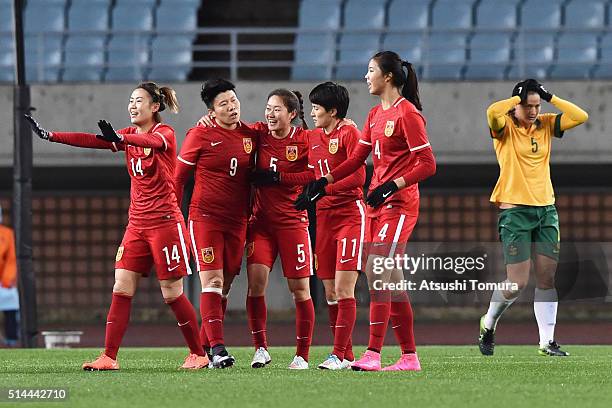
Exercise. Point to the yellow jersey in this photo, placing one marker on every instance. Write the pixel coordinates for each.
(524, 161)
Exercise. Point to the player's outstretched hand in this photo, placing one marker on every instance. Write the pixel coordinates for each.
(313, 191)
(206, 121)
(381, 193)
(108, 133)
(264, 177)
(36, 128)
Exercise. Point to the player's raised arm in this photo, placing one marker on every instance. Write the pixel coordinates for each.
(572, 115)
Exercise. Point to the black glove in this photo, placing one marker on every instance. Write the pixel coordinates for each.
(381, 193)
(520, 89)
(36, 128)
(312, 192)
(265, 177)
(108, 133)
(544, 94)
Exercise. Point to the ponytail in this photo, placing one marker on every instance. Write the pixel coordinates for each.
(301, 109)
(165, 96)
(410, 90)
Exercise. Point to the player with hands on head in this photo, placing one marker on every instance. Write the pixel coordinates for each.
(155, 234)
(402, 157)
(522, 138)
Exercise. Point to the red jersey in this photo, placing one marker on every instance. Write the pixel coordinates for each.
(151, 170)
(274, 203)
(223, 160)
(328, 151)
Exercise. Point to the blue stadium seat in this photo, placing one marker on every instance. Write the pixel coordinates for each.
(6, 17)
(355, 53)
(604, 69)
(585, 14)
(44, 17)
(314, 57)
(489, 56)
(537, 14)
(408, 46)
(413, 15)
(364, 14)
(496, 14)
(537, 52)
(176, 16)
(128, 57)
(446, 56)
(43, 56)
(452, 14)
(171, 58)
(83, 58)
(136, 3)
(89, 15)
(323, 14)
(128, 18)
(577, 54)
(7, 58)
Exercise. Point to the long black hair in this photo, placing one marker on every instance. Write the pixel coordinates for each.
(390, 62)
(164, 95)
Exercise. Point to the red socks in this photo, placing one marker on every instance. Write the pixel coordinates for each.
(211, 310)
(380, 307)
(304, 325)
(116, 323)
(257, 313)
(347, 313)
(187, 322)
(402, 322)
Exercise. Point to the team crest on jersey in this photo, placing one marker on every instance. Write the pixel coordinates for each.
(247, 143)
(147, 151)
(119, 254)
(208, 255)
(250, 249)
(292, 153)
(389, 127)
(333, 146)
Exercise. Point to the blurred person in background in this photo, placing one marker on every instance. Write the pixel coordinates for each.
(9, 297)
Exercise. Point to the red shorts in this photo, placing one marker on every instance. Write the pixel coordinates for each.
(340, 237)
(217, 247)
(293, 246)
(165, 247)
(388, 233)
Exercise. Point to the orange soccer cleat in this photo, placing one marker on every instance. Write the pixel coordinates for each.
(195, 362)
(101, 363)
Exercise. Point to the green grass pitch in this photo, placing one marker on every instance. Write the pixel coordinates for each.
(456, 376)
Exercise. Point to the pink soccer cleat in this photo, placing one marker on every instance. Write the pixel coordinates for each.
(102, 363)
(407, 362)
(370, 361)
(195, 362)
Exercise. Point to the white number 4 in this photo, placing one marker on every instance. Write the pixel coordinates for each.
(383, 232)
(175, 254)
(137, 167)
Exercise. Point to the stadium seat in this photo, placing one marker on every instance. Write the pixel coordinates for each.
(7, 58)
(576, 55)
(354, 55)
(83, 58)
(128, 18)
(127, 58)
(489, 56)
(171, 17)
(585, 14)
(171, 58)
(364, 14)
(452, 14)
(604, 69)
(89, 15)
(445, 57)
(6, 17)
(43, 56)
(412, 15)
(322, 14)
(496, 14)
(314, 56)
(408, 46)
(537, 14)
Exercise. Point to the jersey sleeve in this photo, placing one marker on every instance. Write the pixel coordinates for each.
(350, 140)
(160, 139)
(87, 140)
(190, 151)
(413, 129)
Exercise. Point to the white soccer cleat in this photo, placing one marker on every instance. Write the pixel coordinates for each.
(298, 363)
(346, 364)
(261, 358)
(332, 363)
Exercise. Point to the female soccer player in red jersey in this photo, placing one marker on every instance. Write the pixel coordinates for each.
(156, 232)
(222, 156)
(395, 132)
(277, 228)
(340, 214)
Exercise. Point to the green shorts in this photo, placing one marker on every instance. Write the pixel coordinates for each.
(520, 227)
